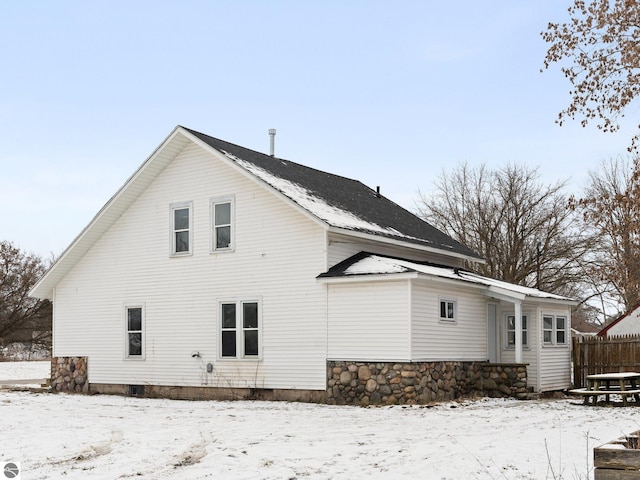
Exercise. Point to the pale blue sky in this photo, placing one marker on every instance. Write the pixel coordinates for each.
(386, 92)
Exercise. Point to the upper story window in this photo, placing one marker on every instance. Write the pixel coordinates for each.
(554, 330)
(448, 310)
(181, 228)
(134, 318)
(240, 329)
(222, 230)
(511, 331)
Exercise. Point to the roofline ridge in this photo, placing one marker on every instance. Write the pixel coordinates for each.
(190, 130)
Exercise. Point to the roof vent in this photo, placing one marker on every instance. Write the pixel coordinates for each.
(378, 191)
(272, 142)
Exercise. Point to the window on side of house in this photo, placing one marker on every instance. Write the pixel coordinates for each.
(181, 228)
(561, 330)
(240, 329)
(448, 310)
(554, 330)
(222, 229)
(511, 331)
(134, 325)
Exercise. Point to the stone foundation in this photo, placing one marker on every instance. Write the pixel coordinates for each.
(368, 383)
(348, 383)
(69, 374)
(503, 380)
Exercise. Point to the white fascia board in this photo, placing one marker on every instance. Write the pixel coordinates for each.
(555, 301)
(400, 243)
(511, 296)
(110, 212)
(238, 168)
(503, 294)
(368, 277)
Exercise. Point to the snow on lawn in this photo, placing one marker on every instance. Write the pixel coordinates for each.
(109, 437)
(25, 370)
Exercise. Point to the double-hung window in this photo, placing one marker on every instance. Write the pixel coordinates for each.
(448, 310)
(554, 330)
(134, 325)
(181, 226)
(222, 231)
(511, 331)
(240, 329)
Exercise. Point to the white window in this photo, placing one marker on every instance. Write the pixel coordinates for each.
(181, 226)
(554, 330)
(448, 310)
(222, 231)
(240, 329)
(511, 331)
(134, 326)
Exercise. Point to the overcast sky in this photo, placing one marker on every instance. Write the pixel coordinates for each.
(389, 93)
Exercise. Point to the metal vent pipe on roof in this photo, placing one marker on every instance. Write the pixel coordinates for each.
(272, 142)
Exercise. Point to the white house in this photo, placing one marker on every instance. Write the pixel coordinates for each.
(626, 324)
(220, 272)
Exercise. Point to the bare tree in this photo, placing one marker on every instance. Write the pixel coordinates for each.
(521, 227)
(611, 209)
(19, 272)
(601, 42)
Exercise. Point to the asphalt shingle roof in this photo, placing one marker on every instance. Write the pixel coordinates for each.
(377, 214)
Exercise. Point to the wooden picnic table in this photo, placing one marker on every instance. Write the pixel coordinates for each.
(623, 383)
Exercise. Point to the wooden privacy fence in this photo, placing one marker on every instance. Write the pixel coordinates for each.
(604, 355)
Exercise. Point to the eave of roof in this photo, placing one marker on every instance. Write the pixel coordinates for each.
(603, 332)
(340, 202)
(111, 211)
(350, 208)
(366, 266)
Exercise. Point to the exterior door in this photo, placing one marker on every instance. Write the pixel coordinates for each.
(493, 350)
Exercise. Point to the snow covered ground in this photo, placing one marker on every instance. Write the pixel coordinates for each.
(25, 370)
(110, 437)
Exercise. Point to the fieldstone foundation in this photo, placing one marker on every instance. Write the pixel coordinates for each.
(367, 383)
(69, 374)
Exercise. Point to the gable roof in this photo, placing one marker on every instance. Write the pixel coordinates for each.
(365, 265)
(341, 204)
(605, 331)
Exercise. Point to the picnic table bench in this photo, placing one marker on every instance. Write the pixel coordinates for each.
(624, 384)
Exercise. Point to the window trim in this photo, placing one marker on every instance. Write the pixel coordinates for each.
(512, 346)
(230, 199)
(240, 329)
(126, 309)
(172, 208)
(554, 330)
(448, 300)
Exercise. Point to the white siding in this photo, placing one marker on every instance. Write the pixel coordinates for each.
(549, 365)
(278, 253)
(629, 325)
(342, 247)
(369, 321)
(530, 352)
(555, 360)
(464, 339)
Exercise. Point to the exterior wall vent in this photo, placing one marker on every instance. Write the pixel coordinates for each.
(136, 391)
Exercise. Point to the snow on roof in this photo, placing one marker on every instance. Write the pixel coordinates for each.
(333, 215)
(371, 264)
